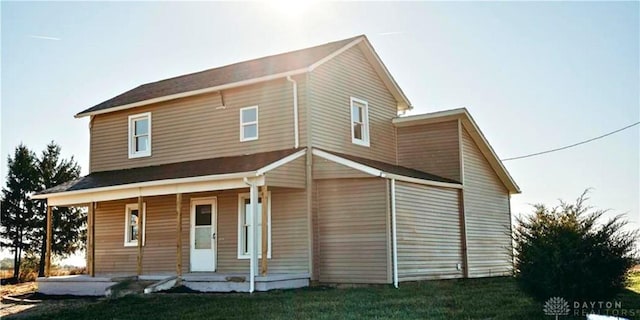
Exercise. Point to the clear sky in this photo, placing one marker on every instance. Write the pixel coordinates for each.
(535, 75)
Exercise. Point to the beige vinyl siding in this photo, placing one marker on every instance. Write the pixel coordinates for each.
(428, 226)
(112, 257)
(289, 252)
(326, 169)
(288, 234)
(487, 213)
(291, 175)
(193, 128)
(331, 86)
(352, 231)
(432, 148)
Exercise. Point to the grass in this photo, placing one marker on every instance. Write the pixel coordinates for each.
(493, 298)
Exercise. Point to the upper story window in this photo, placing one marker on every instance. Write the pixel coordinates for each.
(249, 123)
(359, 122)
(140, 135)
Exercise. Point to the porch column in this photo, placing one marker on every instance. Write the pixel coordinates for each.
(91, 239)
(265, 243)
(47, 263)
(179, 234)
(140, 217)
(253, 244)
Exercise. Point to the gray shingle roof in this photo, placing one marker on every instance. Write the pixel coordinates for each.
(187, 169)
(232, 73)
(395, 169)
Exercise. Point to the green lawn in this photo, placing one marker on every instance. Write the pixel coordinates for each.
(494, 298)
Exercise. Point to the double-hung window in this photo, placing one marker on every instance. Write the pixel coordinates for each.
(359, 122)
(140, 135)
(249, 123)
(244, 219)
(131, 216)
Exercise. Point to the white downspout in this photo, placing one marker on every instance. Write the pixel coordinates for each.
(395, 237)
(295, 111)
(253, 254)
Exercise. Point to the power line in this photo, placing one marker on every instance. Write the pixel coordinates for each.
(572, 145)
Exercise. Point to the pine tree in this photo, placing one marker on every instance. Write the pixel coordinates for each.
(17, 208)
(69, 223)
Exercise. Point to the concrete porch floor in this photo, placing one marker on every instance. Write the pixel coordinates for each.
(84, 285)
(239, 282)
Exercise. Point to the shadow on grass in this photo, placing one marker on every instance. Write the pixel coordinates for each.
(32, 304)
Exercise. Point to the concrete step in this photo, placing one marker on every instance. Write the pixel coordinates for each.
(128, 286)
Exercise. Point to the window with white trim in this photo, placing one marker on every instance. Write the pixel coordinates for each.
(140, 135)
(249, 123)
(359, 122)
(131, 216)
(244, 235)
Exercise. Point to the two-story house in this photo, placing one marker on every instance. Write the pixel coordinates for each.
(286, 169)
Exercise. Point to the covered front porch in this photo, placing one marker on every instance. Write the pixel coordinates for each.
(207, 232)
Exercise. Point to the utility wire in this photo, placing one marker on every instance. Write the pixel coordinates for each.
(572, 145)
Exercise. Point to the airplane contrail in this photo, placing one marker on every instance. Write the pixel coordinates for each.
(44, 37)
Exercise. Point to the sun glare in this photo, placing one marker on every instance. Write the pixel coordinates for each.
(290, 8)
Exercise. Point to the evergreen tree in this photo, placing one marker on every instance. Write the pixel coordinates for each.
(69, 223)
(17, 208)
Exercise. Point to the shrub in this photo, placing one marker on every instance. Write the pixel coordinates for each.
(565, 252)
(29, 268)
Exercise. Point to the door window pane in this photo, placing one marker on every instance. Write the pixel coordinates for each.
(203, 237)
(203, 215)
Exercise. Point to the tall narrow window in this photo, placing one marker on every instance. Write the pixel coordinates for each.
(359, 122)
(131, 216)
(244, 234)
(140, 135)
(249, 123)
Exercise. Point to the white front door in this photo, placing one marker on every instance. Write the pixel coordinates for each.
(203, 234)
